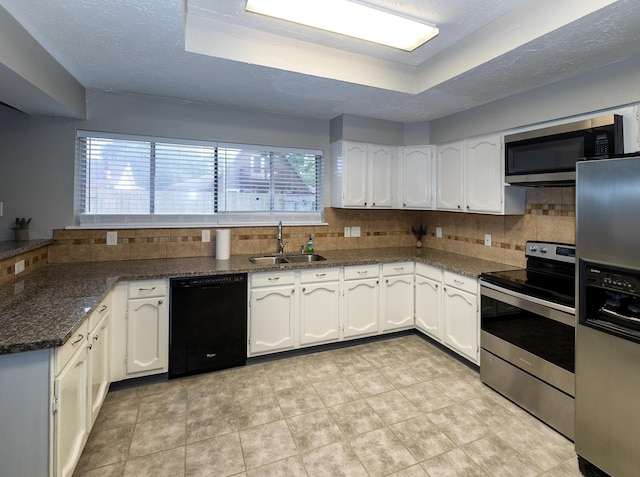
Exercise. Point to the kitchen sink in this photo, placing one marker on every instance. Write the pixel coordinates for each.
(268, 260)
(278, 259)
(305, 258)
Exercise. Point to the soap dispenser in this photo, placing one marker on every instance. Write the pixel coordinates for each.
(310, 245)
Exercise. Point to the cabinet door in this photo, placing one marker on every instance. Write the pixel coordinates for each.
(484, 176)
(416, 185)
(428, 309)
(99, 340)
(70, 421)
(461, 322)
(380, 176)
(361, 307)
(319, 312)
(397, 293)
(449, 171)
(354, 174)
(272, 319)
(147, 336)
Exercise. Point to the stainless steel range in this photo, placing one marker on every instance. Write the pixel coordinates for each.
(528, 334)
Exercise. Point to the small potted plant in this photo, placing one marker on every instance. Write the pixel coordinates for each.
(21, 229)
(419, 232)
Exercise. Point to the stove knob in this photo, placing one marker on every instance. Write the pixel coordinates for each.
(543, 249)
(532, 248)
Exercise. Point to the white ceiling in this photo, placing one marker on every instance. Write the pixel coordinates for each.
(486, 50)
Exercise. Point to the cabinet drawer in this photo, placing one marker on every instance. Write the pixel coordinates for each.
(97, 314)
(320, 275)
(147, 288)
(272, 278)
(398, 268)
(65, 352)
(429, 271)
(358, 272)
(461, 282)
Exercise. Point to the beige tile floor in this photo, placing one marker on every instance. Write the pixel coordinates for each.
(397, 407)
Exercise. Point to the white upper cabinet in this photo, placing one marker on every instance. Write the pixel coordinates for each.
(362, 175)
(470, 177)
(449, 176)
(416, 183)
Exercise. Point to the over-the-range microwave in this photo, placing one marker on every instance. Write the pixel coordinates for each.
(548, 156)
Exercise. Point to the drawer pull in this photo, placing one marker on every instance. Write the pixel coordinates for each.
(459, 282)
(80, 338)
(146, 289)
(95, 338)
(103, 309)
(274, 278)
(89, 346)
(362, 272)
(321, 275)
(399, 269)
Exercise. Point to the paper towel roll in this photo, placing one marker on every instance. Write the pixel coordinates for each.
(223, 244)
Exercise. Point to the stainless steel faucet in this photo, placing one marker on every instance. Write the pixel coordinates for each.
(281, 244)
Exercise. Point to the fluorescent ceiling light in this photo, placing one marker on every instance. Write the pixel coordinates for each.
(349, 18)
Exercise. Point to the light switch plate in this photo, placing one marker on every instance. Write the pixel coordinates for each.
(347, 231)
(19, 266)
(487, 240)
(355, 231)
(112, 238)
(439, 232)
(206, 236)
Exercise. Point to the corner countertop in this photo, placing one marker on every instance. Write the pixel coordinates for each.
(43, 309)
(10, 248)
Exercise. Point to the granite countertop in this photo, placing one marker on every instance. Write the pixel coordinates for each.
(10, 248)
(44, 308)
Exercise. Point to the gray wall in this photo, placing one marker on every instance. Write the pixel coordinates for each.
(37, 154)
(601, 89)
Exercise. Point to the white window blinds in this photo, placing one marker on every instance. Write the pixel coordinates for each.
(131, 180)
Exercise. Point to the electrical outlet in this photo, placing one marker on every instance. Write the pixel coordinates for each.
(487, 240)
(347, 231)
(112, 238)
(355, 231)
(206, 236)
(19, 267)
(439, 232)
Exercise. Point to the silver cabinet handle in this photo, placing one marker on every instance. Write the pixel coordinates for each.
(146, 289)
(362, 272)
(80, 338)
(398, 269)
(459, 282)
(321, 274)
(274, 278)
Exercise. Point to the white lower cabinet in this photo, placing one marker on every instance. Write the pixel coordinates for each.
(397, 296)
(272, 312)
(80, 385)
(361, 303)
(70, 411)
(99, 360)
(319, 306)
(428, 301)
(147, 325)
(460, 310)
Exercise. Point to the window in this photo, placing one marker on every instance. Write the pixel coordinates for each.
(136, 181)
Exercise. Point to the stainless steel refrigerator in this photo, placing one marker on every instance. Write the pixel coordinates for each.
(607, 371)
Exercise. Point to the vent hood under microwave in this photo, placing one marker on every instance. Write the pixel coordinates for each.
(548, 156)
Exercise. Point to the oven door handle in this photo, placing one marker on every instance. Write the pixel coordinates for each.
(554, 311)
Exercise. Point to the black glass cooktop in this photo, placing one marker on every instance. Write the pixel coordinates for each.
(552, 282)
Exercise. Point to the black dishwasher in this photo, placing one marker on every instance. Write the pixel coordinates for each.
(207, 323)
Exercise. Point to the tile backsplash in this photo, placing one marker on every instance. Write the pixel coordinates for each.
(550, 215)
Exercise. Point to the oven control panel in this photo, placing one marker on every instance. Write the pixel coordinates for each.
(612, 280)
(561, 252)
